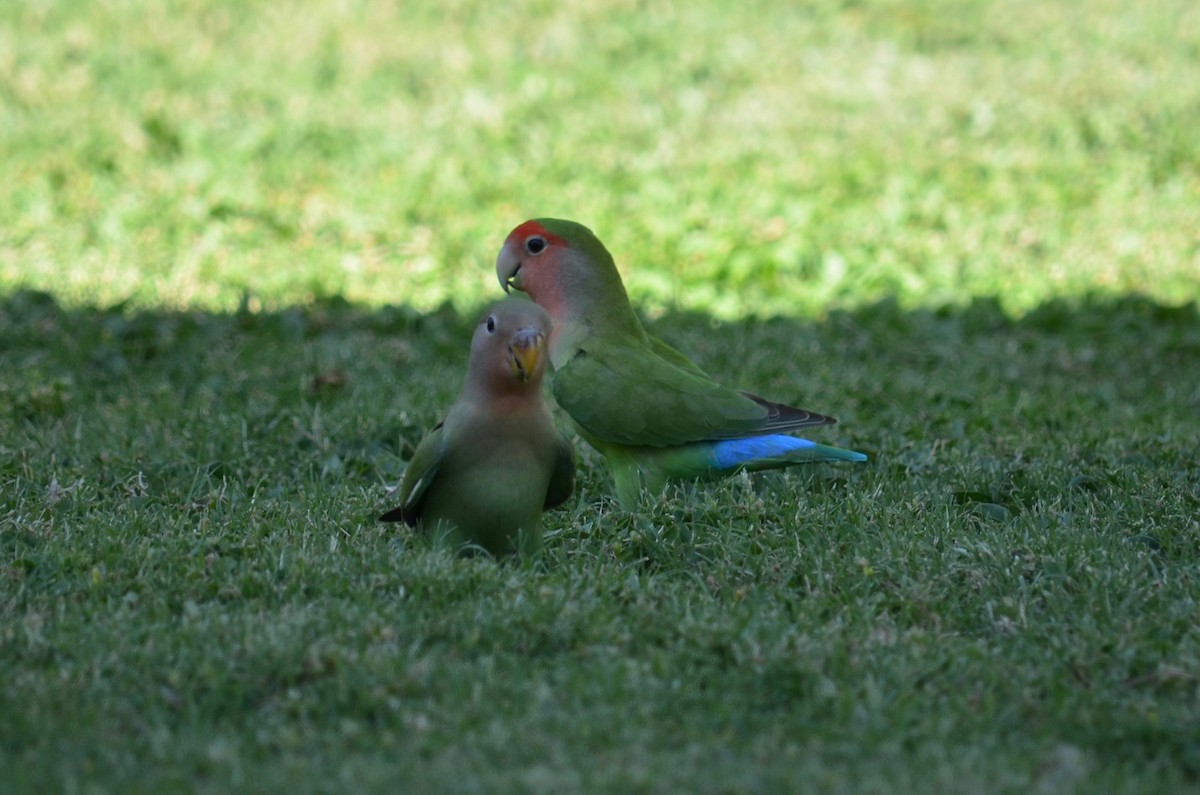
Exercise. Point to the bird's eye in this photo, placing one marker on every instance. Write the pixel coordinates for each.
(535, 245)
(491, 324)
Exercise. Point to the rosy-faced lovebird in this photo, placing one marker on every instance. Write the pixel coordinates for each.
(651, 411)
(483, 476)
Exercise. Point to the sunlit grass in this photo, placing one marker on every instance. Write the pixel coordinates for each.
(737, 158)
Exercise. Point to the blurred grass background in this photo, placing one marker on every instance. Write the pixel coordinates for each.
(755, 157)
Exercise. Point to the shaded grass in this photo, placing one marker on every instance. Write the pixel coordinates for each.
(196, 594)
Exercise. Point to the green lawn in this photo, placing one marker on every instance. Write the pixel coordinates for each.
(242, 247)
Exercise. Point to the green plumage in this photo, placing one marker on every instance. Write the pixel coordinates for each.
(485, 474)
(674, 405)
(652, 412)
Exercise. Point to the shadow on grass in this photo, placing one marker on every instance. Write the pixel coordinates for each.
(118, 422)
(335, 390)
(888, 372)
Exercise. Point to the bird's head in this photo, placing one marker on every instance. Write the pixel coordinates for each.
(510, 344)
(560, 265)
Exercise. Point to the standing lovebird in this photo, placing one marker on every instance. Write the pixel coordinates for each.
(483, 476)
(651, 411)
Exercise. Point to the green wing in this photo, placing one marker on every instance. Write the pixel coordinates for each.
(635, 396)
(562, 480)
(421, 471)
(676, 358)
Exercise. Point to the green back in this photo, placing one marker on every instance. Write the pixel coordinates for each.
(631, 395)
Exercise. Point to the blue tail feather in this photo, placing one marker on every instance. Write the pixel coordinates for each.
(775, 450)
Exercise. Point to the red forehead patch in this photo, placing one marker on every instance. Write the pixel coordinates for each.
(531, 228)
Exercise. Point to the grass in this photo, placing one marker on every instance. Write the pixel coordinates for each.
(241, 251)
(197, 595)
(747, 158)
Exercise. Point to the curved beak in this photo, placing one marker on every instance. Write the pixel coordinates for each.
(526, 349)
(508, 269)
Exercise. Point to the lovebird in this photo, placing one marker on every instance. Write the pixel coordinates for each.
(649, 409)
(483, 476)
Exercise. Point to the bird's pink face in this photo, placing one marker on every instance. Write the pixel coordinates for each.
(529, 262)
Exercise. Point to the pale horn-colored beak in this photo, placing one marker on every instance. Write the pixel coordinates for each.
(508, 269)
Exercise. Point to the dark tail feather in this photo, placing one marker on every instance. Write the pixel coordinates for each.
(398, 515)
(782, 417)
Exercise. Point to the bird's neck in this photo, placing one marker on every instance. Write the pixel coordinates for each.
(566, 338)
(572, 330)
(501, 396)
